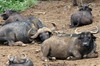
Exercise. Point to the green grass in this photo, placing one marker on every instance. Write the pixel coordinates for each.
(18, 5)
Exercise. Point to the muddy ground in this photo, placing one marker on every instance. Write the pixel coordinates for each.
(58, 12)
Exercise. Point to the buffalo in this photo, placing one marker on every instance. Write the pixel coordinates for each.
(82, 17)
(15, 31)
(19, 61)
(11, 16)
(76, 46)
(20, 30)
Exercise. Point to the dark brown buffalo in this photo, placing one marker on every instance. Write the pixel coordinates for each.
(73, 48)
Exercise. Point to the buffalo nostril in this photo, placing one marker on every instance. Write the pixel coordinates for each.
(85, 44)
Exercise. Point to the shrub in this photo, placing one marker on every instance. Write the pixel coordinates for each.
(18, 5)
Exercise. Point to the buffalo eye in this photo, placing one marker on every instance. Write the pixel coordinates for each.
(80, 37)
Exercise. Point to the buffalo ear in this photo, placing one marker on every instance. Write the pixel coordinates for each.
(5, 16)
(50, 34)
(90, 9)
(94, 38)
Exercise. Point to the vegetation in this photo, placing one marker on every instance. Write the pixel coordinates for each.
(18, 5)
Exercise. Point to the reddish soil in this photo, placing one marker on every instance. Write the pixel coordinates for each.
(58, 12)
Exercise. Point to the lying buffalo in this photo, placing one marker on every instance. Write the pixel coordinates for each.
(19, 31)
(19, 61)
(11, 16)
(82, 17)
(75, 47)
(16, 31)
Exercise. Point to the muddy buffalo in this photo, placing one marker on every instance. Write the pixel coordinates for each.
(11, 16)
(19, 31)
(76, 47)
(82, 17)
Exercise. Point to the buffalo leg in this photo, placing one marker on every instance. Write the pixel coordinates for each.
(45, 51)
(7, 42)
(74, 22)
(10, 42)
(11, 38)
(76, 55)
(92, 55)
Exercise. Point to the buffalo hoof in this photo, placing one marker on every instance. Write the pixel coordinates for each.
(45, 59)
(19, 43)
(54, 58)
(38, 50)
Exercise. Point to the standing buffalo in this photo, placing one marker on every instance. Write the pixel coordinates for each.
(18, 61)
(11, 16)
(73, 48)
(82, 17)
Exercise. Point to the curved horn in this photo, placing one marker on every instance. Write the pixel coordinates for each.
(24, 56)
(54, 27)
(10, 58)
(29, 32)
(96, 31)
(40, 31)
(76, 31)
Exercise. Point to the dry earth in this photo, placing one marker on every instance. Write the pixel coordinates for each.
(58, 12)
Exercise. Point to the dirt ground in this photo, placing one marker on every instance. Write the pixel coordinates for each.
(58, 12)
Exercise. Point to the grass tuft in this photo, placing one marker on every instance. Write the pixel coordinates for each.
(18, 5)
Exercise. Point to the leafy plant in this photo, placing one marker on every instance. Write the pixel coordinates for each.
(18, 5)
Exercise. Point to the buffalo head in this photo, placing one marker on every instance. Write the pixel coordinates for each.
(41, 34)
(85, 8)
(87, 38)
(7, 13)
(19, 61)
